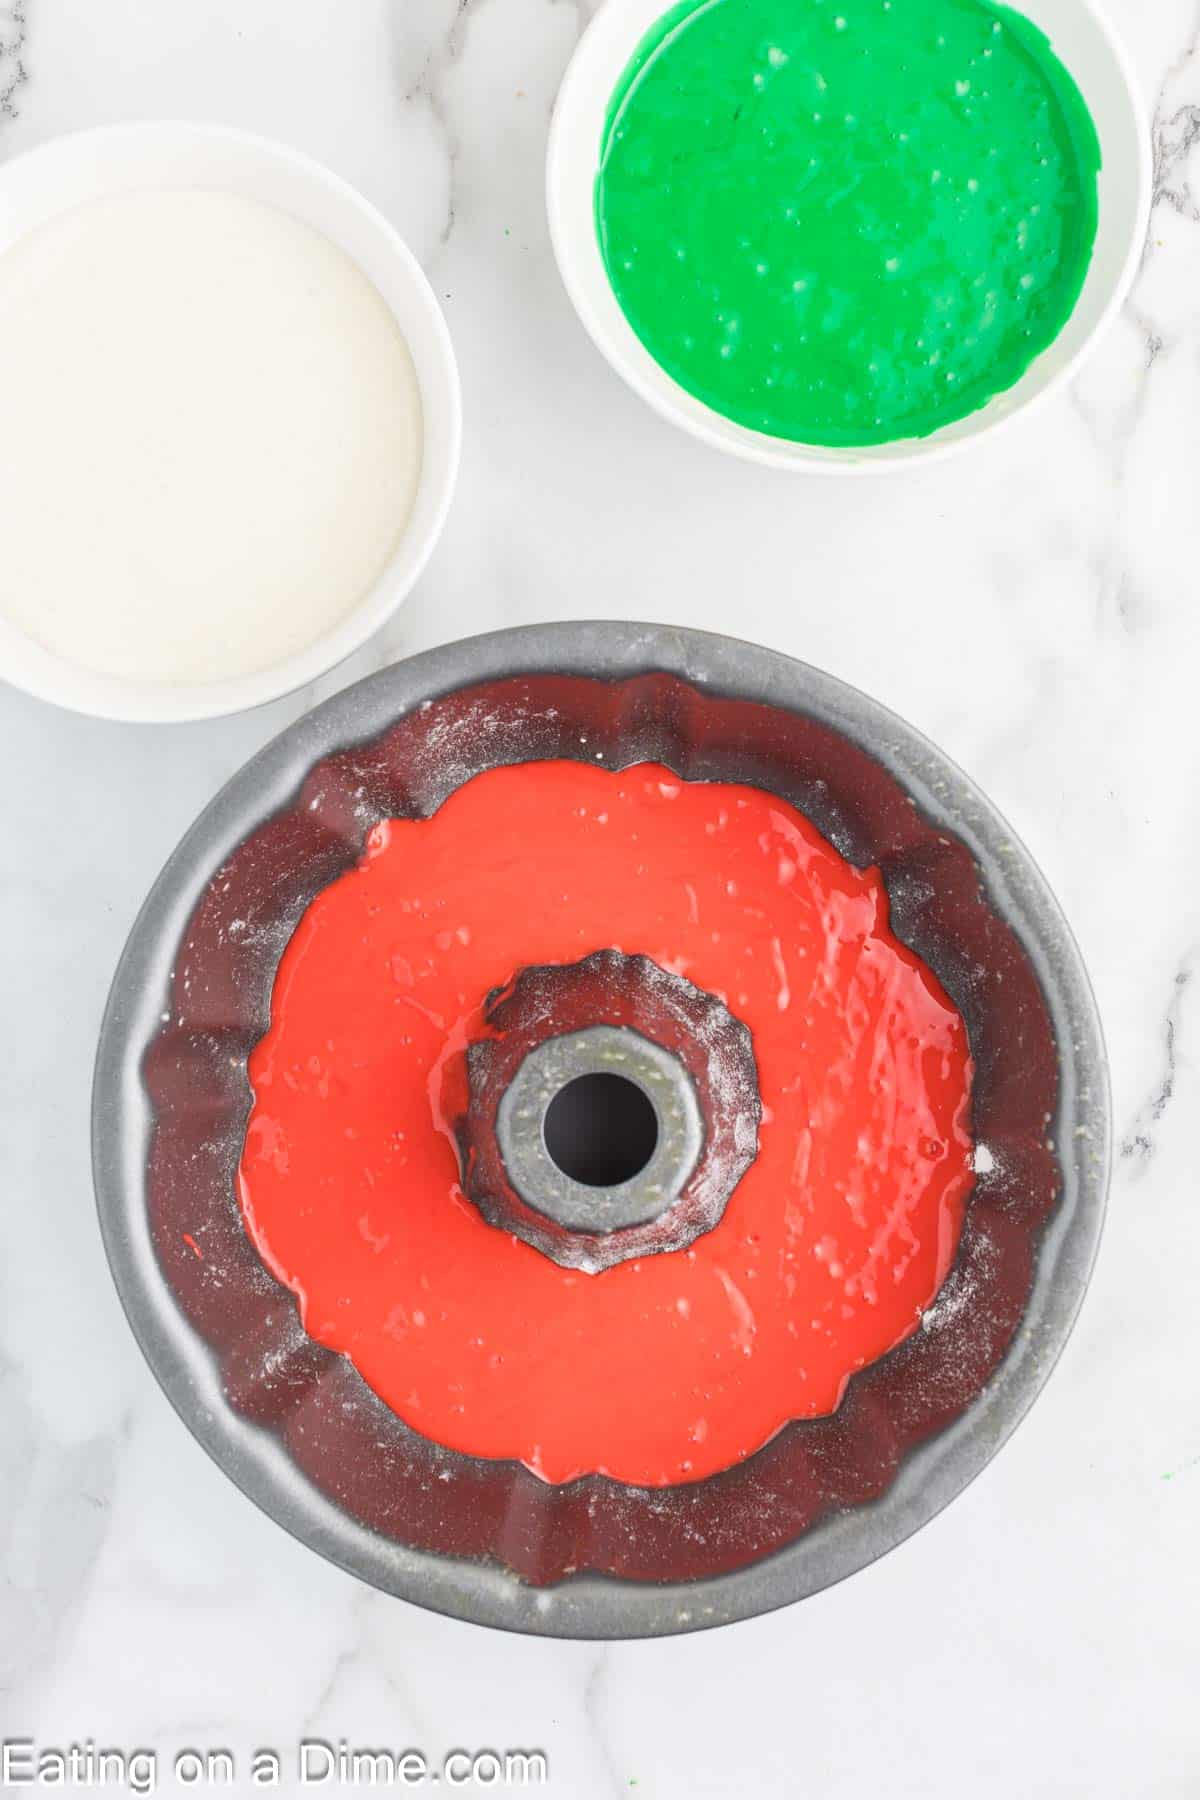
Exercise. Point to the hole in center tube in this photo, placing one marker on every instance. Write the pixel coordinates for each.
(600, 1130)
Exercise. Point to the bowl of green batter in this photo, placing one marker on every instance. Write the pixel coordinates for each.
(847, 235)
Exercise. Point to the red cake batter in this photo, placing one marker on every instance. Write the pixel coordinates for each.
(674, 1366)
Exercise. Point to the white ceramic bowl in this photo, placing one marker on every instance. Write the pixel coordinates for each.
(117, 158)
(1087, 47)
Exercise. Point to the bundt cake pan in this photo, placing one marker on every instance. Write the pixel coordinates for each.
(296, 1426)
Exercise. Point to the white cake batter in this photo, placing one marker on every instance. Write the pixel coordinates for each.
(212, 435)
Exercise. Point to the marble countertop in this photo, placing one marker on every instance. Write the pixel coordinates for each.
(1032, 607)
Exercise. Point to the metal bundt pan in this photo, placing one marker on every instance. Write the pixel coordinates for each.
(294, 1424)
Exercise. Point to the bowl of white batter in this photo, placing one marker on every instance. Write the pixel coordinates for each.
(232, 421)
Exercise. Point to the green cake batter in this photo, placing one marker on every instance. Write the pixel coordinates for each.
(845, 222)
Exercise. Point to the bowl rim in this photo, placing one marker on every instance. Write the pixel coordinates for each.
(48, 676)
(710, 427)
(595, 1607)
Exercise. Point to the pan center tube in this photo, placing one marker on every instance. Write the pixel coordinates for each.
(611, 1109)
(600, 1129)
